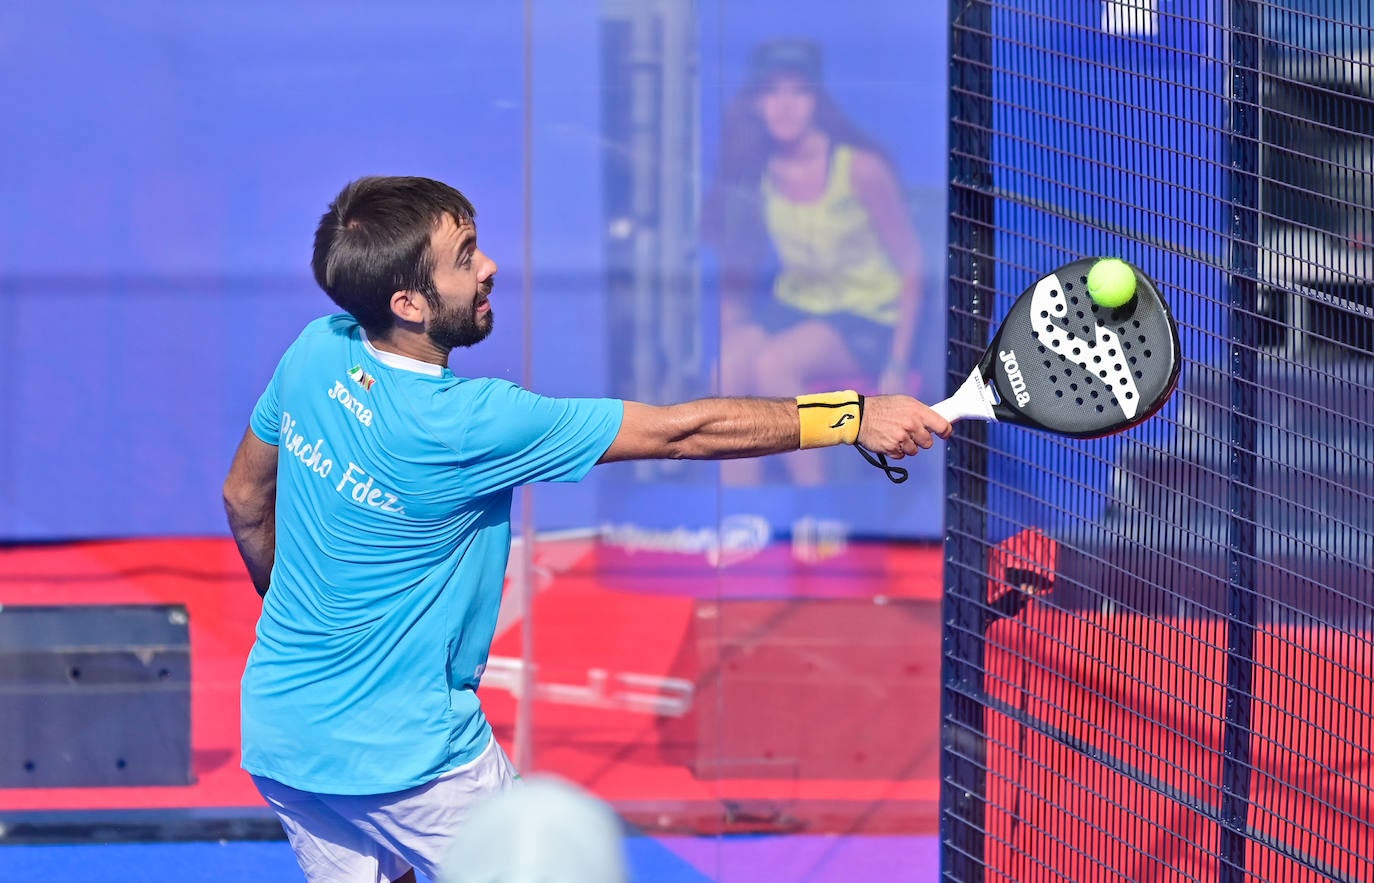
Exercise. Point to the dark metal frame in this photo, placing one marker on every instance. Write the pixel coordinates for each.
(963, 766)
(1244, 129)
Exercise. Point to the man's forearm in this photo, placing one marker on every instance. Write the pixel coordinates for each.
(730, 428)
(256, 536)
(250, 502)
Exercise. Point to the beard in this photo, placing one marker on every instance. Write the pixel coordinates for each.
(459, 327)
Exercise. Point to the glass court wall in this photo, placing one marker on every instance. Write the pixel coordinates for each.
(739, 651)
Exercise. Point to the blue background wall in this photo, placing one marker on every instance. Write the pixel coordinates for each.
(165, 163)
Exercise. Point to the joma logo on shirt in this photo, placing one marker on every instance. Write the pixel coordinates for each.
(354, 405)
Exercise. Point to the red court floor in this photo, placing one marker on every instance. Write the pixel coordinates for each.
(772, 695)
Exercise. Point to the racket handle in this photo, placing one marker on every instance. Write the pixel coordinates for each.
(971, 401)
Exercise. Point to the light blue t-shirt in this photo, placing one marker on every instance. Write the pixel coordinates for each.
(394, 484)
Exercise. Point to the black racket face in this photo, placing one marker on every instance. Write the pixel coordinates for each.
(1061, 363)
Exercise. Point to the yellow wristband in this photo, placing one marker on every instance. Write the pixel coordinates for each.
(830, 418)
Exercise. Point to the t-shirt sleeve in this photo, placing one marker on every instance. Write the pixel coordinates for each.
(266, 418)
(513, 437)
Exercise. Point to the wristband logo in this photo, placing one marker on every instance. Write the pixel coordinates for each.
(844, 418)
(1014, 376)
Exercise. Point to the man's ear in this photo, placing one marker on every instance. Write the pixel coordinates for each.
(409, 306)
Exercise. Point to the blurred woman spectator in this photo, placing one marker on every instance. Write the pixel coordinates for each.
(819, 260)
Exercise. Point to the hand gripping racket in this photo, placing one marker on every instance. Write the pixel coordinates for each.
(1061, 363)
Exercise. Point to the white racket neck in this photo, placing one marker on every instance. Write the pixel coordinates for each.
(973, 400)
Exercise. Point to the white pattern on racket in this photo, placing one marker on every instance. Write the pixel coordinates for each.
(1047, 303)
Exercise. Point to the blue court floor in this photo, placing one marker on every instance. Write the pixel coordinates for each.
(791, 859)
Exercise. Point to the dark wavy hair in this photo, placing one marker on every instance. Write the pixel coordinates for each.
(374, 241)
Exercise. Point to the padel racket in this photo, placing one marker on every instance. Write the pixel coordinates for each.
(1061, 363)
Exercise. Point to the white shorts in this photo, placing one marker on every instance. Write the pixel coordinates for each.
(375, 838)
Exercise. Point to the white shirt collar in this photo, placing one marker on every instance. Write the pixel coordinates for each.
(404, 363)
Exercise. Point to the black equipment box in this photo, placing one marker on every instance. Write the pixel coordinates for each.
(95, 695)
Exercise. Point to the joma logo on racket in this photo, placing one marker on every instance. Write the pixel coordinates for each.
(1014, 377)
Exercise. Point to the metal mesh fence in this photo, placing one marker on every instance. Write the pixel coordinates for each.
(1159, 647)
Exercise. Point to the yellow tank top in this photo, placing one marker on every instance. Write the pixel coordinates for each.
(831, 258)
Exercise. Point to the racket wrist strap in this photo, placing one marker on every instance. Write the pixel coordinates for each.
(830, 418)
(895, 474)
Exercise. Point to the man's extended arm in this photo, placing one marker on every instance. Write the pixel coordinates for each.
(250, 501)
(726, 428)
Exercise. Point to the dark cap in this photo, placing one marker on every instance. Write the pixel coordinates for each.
(800, 58)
